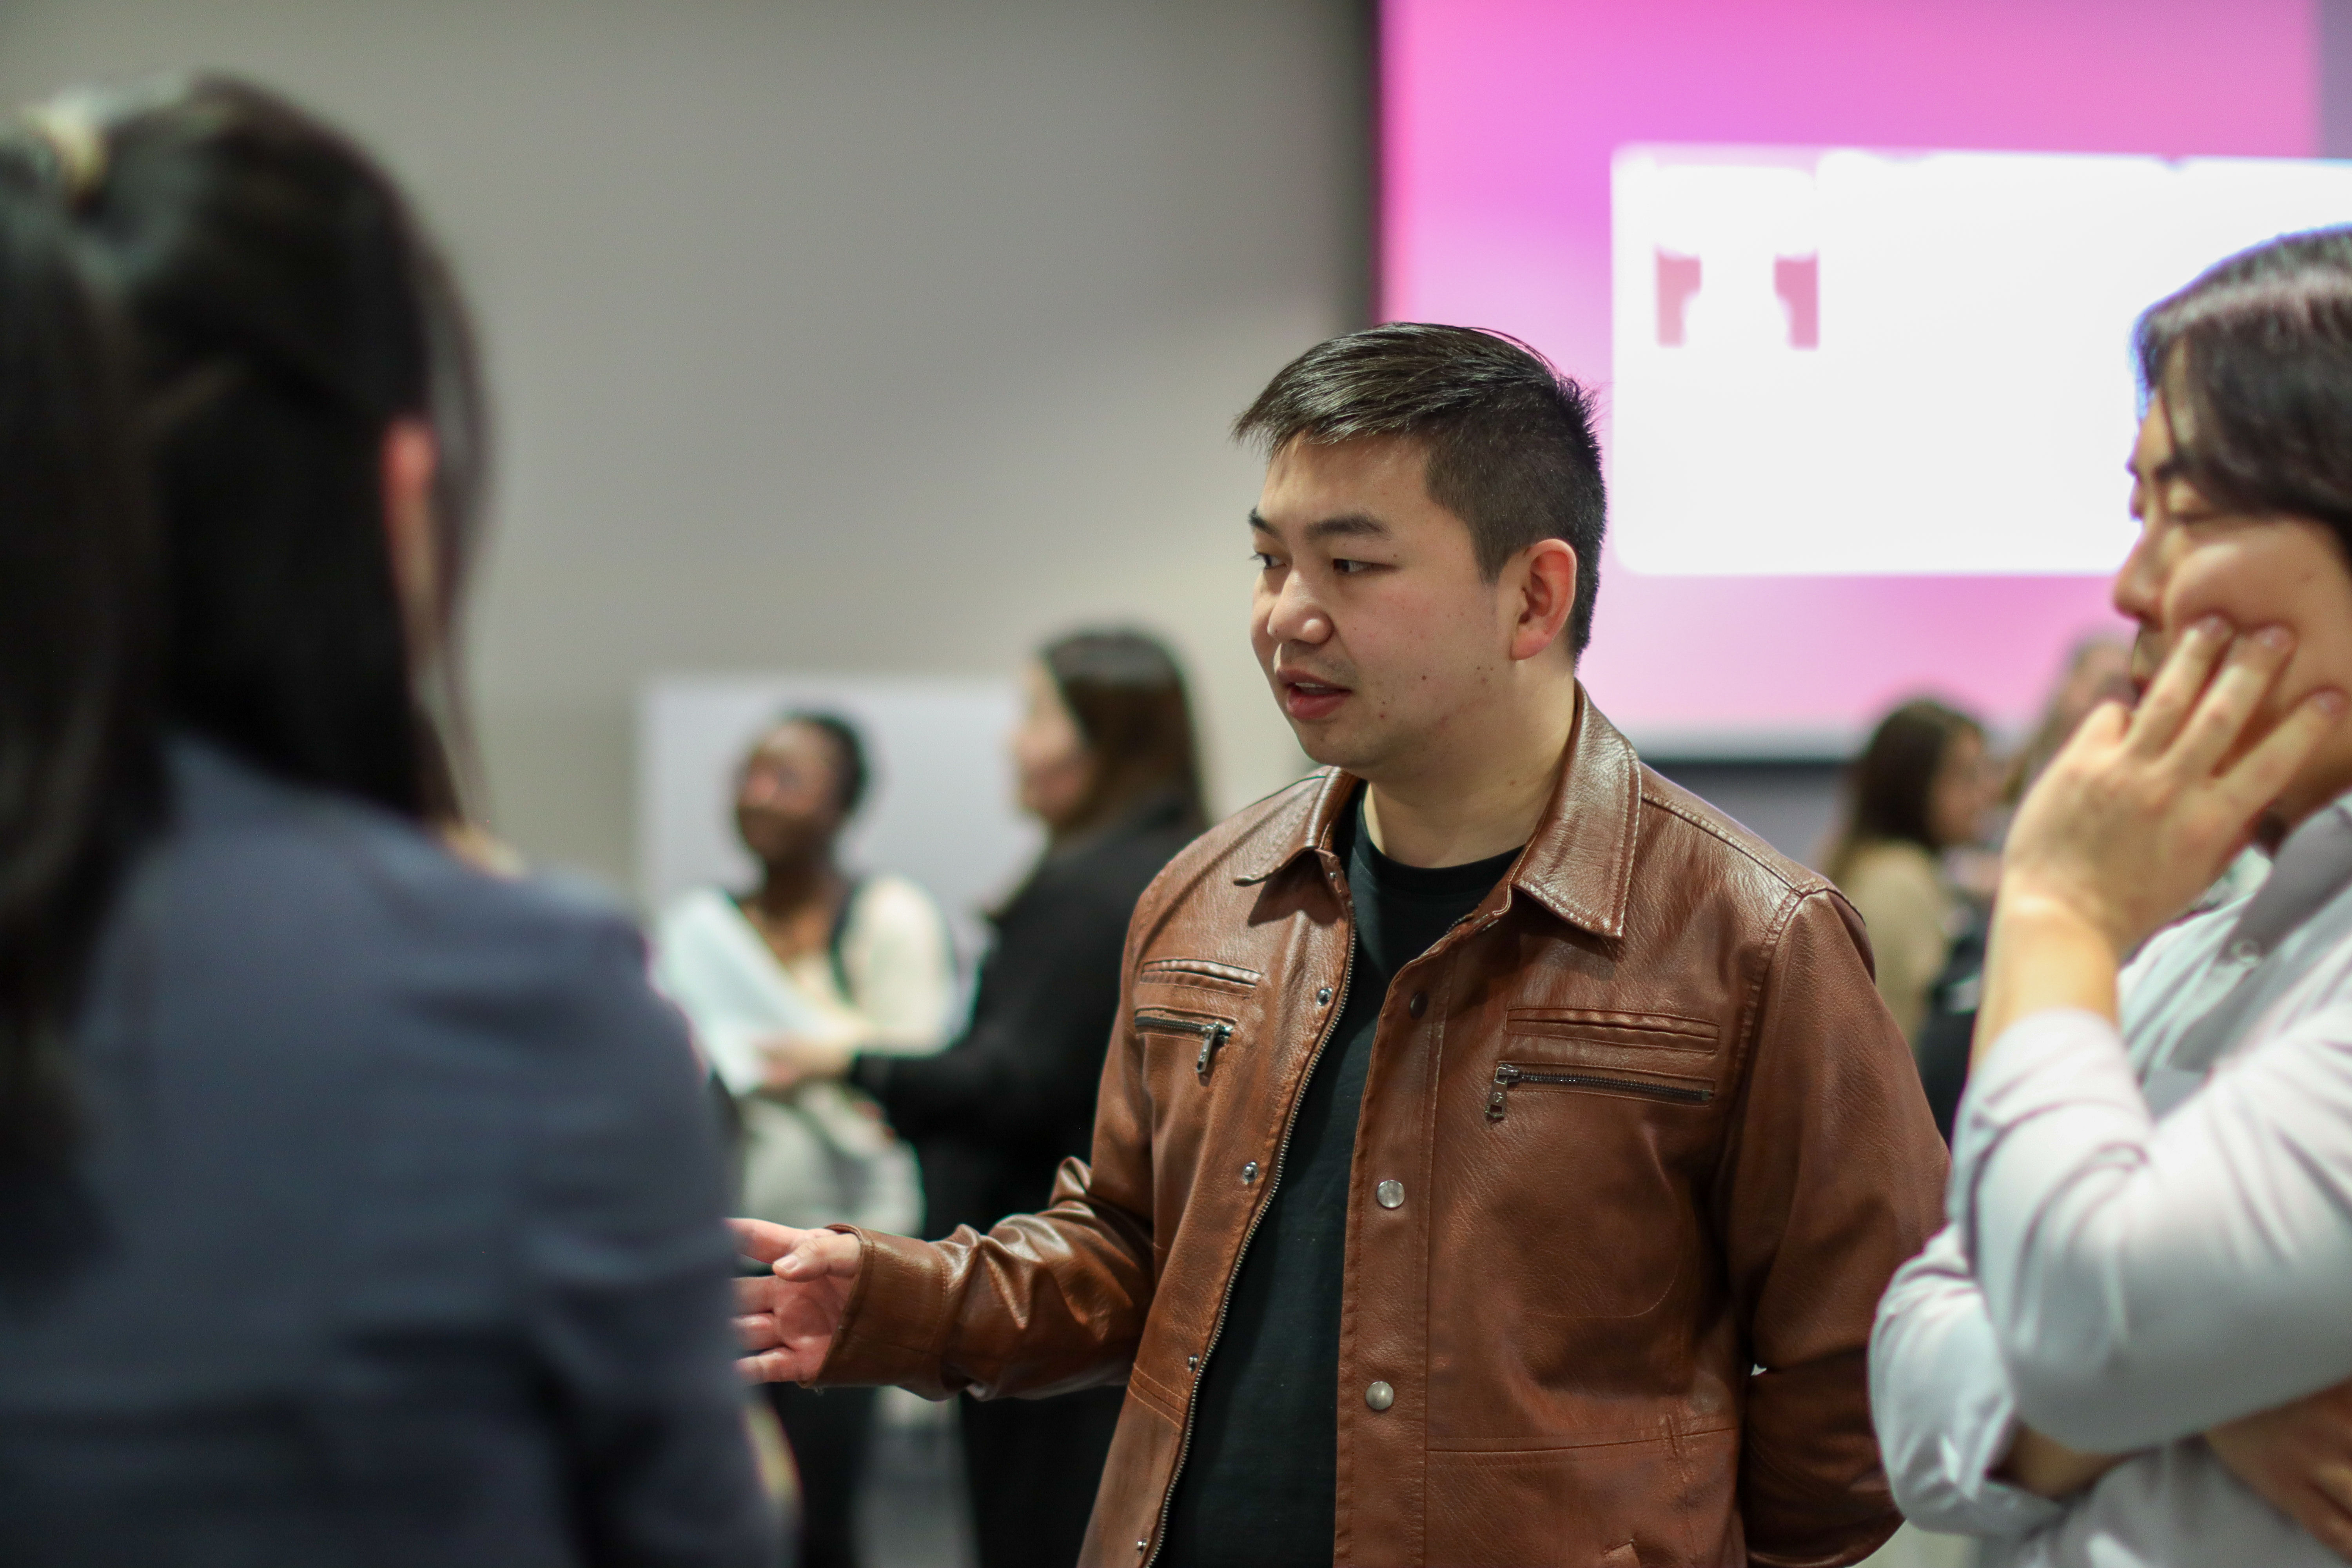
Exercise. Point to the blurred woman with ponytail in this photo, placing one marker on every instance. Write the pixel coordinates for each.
(359, 1206)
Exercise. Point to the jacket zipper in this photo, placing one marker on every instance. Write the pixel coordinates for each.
(1212, 1032)
(1273, 1185)
(1506, 1075)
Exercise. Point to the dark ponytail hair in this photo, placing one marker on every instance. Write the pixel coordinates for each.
(288, 310)
(79, 775)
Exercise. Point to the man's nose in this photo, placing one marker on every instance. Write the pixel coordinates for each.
(1294, 616)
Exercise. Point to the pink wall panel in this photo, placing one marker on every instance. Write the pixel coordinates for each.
(1500, 116)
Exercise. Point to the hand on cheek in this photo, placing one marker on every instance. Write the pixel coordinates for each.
(2140, 813)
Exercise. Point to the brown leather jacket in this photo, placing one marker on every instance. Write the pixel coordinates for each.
(1658, 1148)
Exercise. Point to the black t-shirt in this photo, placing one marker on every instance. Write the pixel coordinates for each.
(1257, 1488)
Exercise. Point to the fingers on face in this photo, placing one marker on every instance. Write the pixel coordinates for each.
(2256, 779)
(2232, 697)
(2172, 696)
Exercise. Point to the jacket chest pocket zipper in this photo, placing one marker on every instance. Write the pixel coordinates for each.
(1506, 1075)
(1211, 1032)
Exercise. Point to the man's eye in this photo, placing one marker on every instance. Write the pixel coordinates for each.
(1346, 568)
(1265, 563)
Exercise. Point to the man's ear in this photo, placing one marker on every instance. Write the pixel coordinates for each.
(411, 458)
(1543, 578)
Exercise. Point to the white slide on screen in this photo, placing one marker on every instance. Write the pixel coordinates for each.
(1832, 363)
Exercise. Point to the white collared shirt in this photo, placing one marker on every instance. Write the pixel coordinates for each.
(2123, 1282)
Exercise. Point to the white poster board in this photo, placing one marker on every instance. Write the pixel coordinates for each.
(939, 810)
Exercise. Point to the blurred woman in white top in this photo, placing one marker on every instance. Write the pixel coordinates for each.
(813, 951)
(2129, 1347)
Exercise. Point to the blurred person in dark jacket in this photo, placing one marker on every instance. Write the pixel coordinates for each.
(357, 1204)
(1108, 762)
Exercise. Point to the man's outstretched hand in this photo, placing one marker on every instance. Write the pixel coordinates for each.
(786, 1320)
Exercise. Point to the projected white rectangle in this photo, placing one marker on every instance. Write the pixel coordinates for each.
(1849, 362)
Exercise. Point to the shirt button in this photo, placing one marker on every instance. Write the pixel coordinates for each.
(2244, 950)
(1419, 1005)
(1390, 1194)
(1380, 1397)
(1249, 1172)
(1323, 997)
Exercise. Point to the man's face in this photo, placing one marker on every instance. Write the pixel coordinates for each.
(2194, 558)
(1371, 619)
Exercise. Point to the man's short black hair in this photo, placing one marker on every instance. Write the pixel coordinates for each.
(1511, 442)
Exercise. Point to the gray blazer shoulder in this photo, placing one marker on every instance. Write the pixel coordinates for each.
(404, 1159)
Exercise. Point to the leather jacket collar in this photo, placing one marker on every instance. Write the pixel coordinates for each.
(1579, 863)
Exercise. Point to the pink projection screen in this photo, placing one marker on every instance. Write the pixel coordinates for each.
(1854, 281)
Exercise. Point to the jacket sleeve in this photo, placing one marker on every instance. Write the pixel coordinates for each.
(625, 1268)
(1028, 1063)
(1042, 1303)
(1833, 1179)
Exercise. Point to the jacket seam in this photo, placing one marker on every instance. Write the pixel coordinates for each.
(1675, 1435)
(1751, 1025)
(1799, 886)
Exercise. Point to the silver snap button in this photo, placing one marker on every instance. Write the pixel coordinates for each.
(1380, 1397)
(1390, 1194)
(1419, 1005)
(1249, 1172)
(1192, 1363)
(1323, 997)
(1143, 1546)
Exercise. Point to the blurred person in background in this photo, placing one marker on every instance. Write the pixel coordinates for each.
(1108, 762)
(359, 1205)
(1921, 788)
(2097, 670)
(866, 962)
(2128, 1347)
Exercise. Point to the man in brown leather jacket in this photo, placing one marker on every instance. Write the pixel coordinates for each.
(1501, 1153)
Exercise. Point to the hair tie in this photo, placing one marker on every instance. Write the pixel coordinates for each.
(76, 137)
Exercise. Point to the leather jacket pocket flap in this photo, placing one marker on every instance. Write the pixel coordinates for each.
(1607, 1036)
(1205, 972)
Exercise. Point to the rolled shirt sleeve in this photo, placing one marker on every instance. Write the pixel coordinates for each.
(1941, 1401)
(2145, 1281)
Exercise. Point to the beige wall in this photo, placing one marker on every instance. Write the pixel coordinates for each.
(886, 335)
